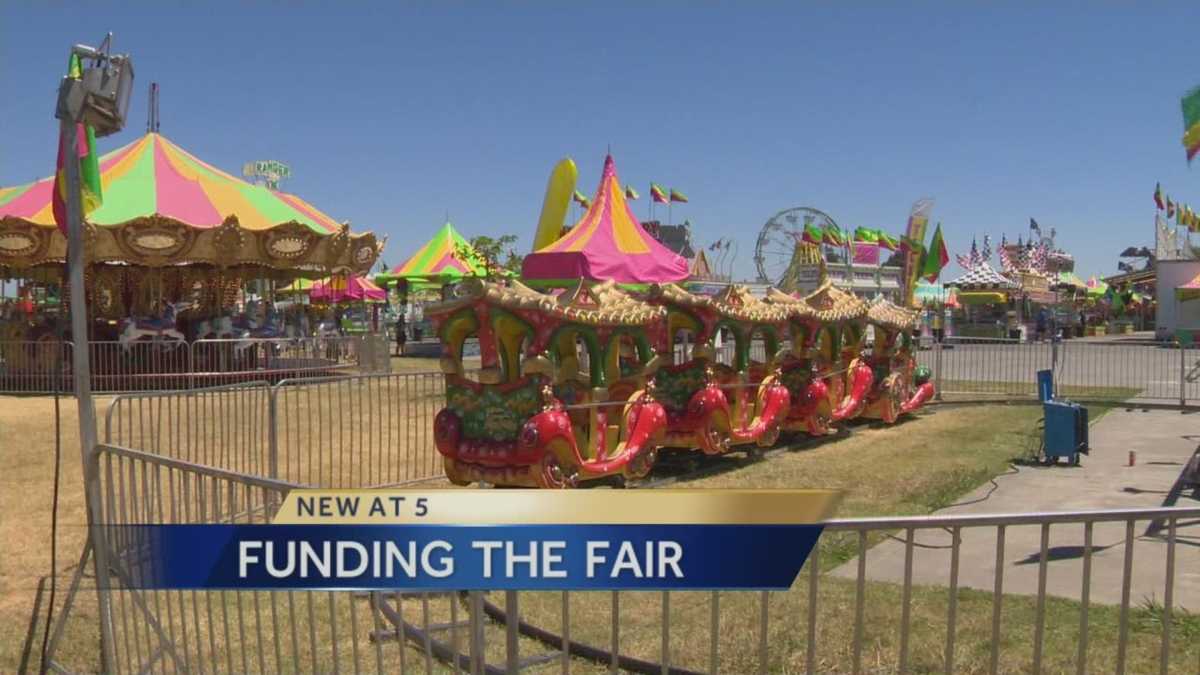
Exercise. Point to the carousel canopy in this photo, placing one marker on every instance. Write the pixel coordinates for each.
(439, 262)
(608, 243)
(164, 206)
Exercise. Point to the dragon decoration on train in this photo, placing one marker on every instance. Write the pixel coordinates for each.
(595, 381)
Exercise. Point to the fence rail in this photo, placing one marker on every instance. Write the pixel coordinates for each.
(877, 594)
(1044, 591)
(1085, 369)
(358, 431)
(40, 367)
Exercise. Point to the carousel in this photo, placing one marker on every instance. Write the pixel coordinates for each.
(171, 252)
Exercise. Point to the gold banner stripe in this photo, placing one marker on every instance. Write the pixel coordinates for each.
(559, 507)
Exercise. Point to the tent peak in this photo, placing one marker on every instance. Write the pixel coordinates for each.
(610, 166)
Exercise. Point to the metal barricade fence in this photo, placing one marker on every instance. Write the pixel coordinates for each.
(363, 431)
(215, 631)
(988, 366)
(28, 367)
(165, 365)
(1055, 592)
(939, 594)
(1084, 369)
(227, 426)
(359, 431)
(227, 361)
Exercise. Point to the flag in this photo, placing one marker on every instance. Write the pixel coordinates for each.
(914, 234)
(84, 152)
(964, 261)
(1179, 214)
(677, 196)
(974, 258)
(1170, 208)
(1191, 123)
(986, 254)
(630, 193)
(866, 235)
(813, 234)
(936, 257)
(1158, 198)
(887, 241)
(657, 193)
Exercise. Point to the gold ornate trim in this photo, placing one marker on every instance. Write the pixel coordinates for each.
(158, 241)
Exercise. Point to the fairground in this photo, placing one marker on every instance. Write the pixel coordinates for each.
(1007, 411)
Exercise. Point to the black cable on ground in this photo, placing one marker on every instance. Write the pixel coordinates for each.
(58, 374)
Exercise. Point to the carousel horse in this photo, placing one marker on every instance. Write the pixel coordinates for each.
(162, 328)
(217, 327)
(251, 331)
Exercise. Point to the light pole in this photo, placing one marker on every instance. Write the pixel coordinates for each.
(99, 96)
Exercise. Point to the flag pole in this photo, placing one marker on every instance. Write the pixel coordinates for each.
(82, 372)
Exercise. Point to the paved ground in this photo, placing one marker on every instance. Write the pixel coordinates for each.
(1164, 442)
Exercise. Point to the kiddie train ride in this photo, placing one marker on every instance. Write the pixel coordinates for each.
(593, 382)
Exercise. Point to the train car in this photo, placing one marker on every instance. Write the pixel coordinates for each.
(561, 395)
(898, 386)
(827, 328)
(711, 405)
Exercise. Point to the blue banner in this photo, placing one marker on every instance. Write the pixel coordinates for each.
(458, 557)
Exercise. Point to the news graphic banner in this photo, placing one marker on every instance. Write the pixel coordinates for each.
(492, 540)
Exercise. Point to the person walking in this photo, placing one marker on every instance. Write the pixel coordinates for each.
(1041, 324)
(400, 334)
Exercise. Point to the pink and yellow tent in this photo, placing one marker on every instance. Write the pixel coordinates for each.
(607, 243)
(346, 289)
(445, 259)
(153, 184)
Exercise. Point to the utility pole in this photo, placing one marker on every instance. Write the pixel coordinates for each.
(99, 97)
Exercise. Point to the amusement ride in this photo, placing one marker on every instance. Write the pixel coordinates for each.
(616, 360)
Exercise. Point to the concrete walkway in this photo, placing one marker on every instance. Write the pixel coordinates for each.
(1164, 442)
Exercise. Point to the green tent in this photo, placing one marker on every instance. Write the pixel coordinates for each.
(445, 259)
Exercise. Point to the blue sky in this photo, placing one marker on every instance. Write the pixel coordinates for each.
(393, 116)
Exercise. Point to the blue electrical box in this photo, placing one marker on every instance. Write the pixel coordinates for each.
(1066, 424)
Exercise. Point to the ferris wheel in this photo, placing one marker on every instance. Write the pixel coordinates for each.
(778, 239)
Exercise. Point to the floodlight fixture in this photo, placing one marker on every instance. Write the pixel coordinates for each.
(100, 96)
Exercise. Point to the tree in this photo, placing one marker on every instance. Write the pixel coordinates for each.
(498, 257)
